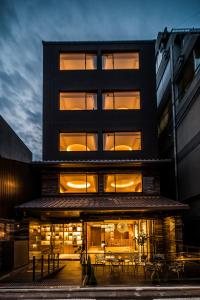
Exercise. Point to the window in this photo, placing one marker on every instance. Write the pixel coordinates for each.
(121, 100)
(78, 61)
(122, 141)
(196, 54)
(78, 142)
(185, 78)
(78, 183)
(164, 120)
(78, 101)
(127, 60)
(125, 183)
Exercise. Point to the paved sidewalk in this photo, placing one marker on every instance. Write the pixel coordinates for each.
(144, 293)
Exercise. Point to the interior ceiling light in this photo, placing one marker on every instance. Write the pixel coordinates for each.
(122, 148)
(123, 183)
(78, 184)
(77, 147)
(122, 107)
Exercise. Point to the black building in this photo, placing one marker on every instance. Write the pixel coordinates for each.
(100, 177)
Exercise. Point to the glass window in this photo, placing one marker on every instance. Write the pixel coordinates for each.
(126, 60)
(124, 183)
(122, 141)
(78, 183)
(78, 101)
(197, 57)
(78, 61)
(121, 100)
(78, 142)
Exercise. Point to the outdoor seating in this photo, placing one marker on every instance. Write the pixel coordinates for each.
(156, 267)
(99, 260)
(178, 268)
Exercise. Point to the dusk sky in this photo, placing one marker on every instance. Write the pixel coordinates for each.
(25, 23)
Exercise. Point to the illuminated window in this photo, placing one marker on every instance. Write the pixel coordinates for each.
(78, 142)
(78, 61)
(126, 60)
(125, 183)
(78, 101)
(121, 100)
(78, 183)
(122, 141)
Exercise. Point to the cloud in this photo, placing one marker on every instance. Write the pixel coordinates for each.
(25, 23)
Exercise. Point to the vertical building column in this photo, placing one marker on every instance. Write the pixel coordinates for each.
(170, 237)
(179, 234)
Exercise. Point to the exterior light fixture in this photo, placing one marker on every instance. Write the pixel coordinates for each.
(78, 184)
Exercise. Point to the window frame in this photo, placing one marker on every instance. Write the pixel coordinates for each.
(124, 173)
(114, 101)
(83, 193)
(113, 62)
(86, 133)
(85, 98)
(85, 59)
(127, 151)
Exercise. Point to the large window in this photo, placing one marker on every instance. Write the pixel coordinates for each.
(78, 142)
(126, 60)
(122, 141)
(78, 61)
(78, 183)
(78, 101)
(125, 183)
(121, 100)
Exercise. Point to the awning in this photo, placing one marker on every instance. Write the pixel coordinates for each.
(87, 203)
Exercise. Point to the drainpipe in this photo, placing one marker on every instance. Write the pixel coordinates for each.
(174, 120)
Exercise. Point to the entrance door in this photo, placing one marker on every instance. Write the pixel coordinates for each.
(96, 236)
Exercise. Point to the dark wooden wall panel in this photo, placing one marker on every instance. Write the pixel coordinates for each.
(16, 185)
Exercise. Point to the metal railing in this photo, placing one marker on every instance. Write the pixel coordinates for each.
(45, 266)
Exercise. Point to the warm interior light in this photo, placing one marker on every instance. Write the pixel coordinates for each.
(78, 184)
(77, 147)
(122, 108)
(121, 148)
(123, 183)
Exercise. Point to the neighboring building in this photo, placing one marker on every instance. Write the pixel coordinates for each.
(11, 146)
(178, 100)
(100, 178)
(15, 188)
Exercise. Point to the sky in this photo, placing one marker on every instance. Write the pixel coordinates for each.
(24, 24)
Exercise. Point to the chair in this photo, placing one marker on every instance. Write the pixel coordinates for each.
(178, 268)
(99, 260)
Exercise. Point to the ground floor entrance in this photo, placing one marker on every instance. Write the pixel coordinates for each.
(133, 236)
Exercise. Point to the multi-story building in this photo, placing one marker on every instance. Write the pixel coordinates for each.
(178, 99)
(100, 174)
(15, 188)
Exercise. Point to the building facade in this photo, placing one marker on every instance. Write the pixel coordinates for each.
(178, 100)
(100, 174)
(15, 188)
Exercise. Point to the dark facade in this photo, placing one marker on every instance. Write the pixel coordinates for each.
(11, 146)
(16, 187)
(178, 86)
(99, 81)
